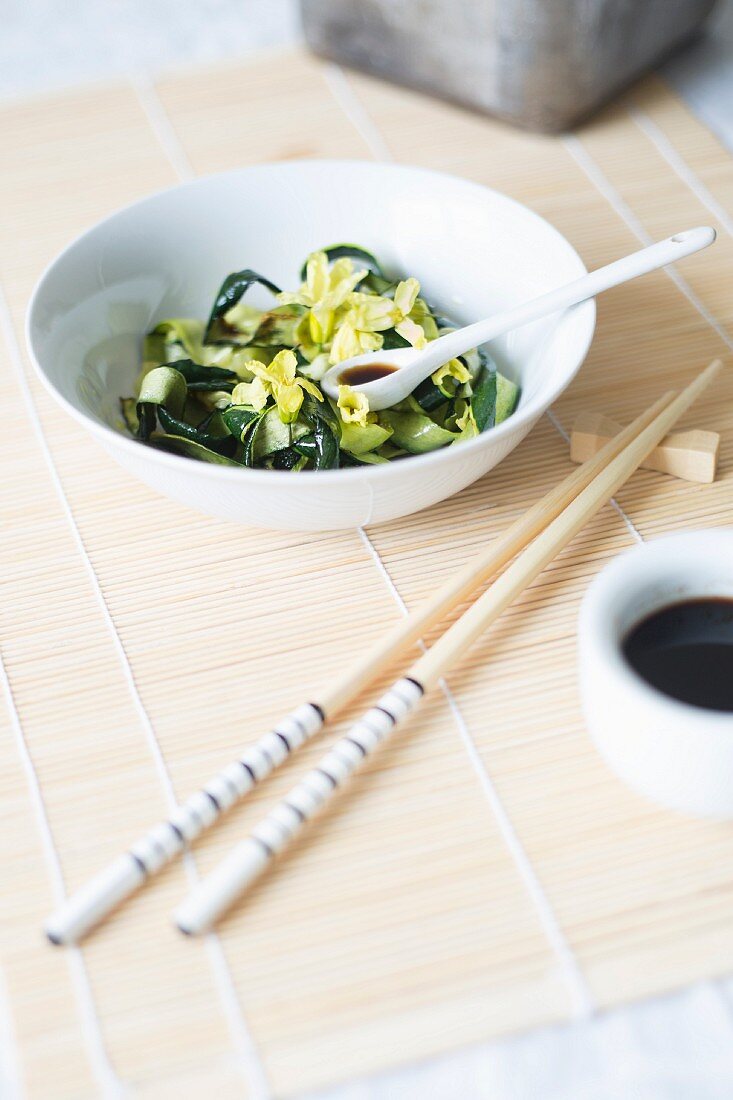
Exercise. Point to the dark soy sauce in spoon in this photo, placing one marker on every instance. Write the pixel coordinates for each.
(686, 650)
(370, 372)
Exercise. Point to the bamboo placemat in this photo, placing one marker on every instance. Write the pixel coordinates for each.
(488, 873)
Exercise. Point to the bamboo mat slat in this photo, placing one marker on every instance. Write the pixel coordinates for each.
(486, 873)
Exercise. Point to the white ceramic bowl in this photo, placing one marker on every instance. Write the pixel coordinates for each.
(675, 753)
(474, 250)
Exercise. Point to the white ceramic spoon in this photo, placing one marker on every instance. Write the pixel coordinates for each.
(409, 366)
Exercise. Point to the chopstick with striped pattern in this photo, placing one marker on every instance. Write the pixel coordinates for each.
(206, 904)
(165, 841)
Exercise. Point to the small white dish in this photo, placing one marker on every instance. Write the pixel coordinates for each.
(677, 754)
(474, 250)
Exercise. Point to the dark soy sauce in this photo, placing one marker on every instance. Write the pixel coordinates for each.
(370, 372)
(686, 651)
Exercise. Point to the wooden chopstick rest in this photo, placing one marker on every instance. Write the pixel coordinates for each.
(690, 455)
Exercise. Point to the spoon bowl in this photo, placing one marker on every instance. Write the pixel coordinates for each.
(394, 385)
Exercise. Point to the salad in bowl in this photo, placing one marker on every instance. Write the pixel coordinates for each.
(242, 388)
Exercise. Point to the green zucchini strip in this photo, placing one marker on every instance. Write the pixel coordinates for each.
(415, 432)
(239, 419)
(187, 447)
(320, 446)
(507, 398)
(202, 379)
(483, 400)
(225, 445)
(231, 290)
(162, 386)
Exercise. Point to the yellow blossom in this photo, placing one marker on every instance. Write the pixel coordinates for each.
(353, 406)
(466, 422)
(365, 316)
(351, 339)
(325, 289)
(279, 380)
(454, 368)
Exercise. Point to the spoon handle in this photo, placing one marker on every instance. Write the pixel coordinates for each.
(620, 271)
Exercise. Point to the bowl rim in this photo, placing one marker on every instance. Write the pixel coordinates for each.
(110, 436)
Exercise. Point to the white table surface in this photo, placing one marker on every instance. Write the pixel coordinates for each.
(678, 1047)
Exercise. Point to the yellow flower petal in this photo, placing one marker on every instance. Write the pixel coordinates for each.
(320, 324)
(283, 367)
(350, 341)
(342, 282)
(310, 388)
(411, 332)
(422, 316)
(405, 294)
(316, 276)
(454, 368)
(341, 269)
(289, 398)
(353, 406)
(254, 394)
(345, 343)
(259, 370)
(372, 313)
(466, 422)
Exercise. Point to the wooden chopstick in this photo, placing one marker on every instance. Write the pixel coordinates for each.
(209, 901)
